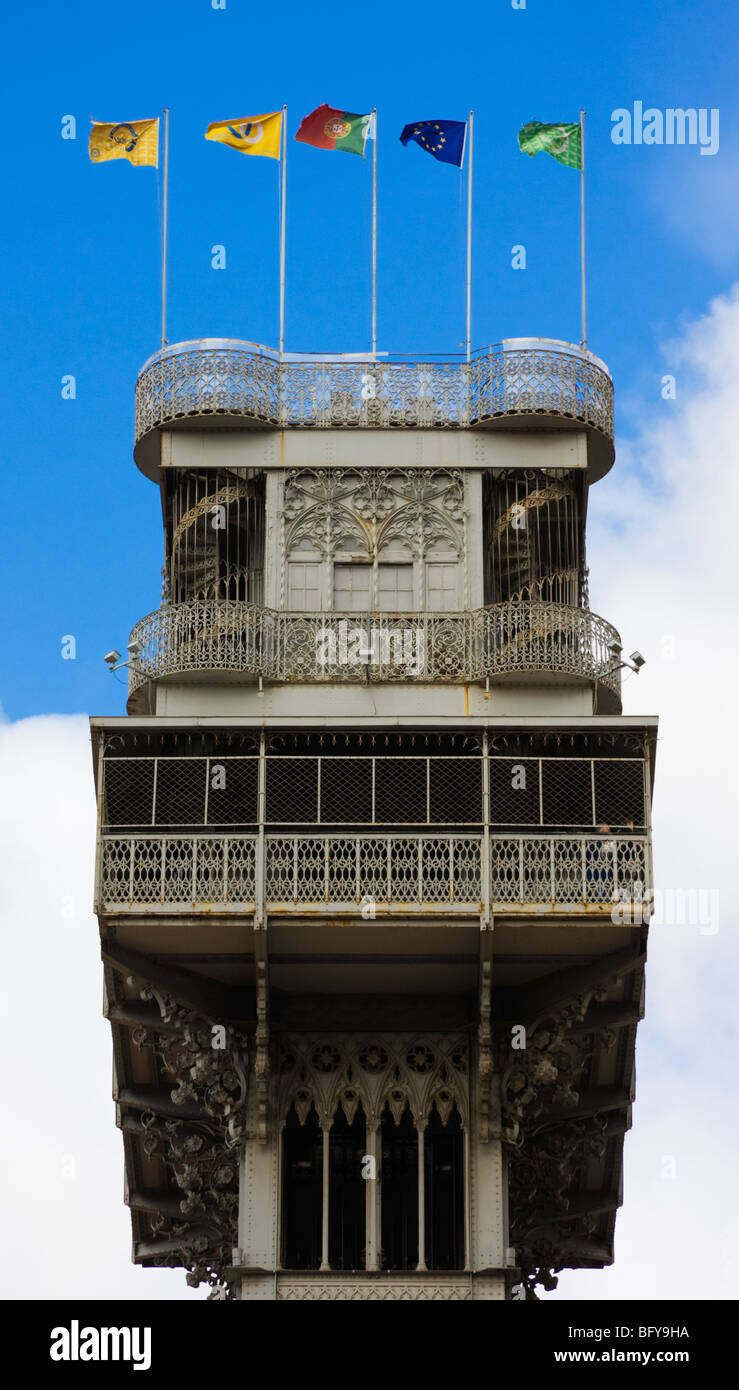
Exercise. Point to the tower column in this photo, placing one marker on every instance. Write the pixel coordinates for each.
(326, 1132)
(372, 1198)
(421, 1196)
(259, 1189)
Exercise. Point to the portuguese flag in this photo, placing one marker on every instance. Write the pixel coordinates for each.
(329, 129)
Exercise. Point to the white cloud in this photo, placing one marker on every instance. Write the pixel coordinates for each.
(663, 553)
(66, 1231)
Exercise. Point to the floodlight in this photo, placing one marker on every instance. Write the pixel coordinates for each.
(112, 657)
(637, 659)
(614, 647)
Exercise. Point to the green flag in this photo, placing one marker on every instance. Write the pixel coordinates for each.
(563, 142)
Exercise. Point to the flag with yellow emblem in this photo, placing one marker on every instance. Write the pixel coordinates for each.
(136, 141)
(250, 134)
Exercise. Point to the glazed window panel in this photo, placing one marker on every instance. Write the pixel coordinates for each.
(395, 588)
(442, 586)
(352, 588)
(304, 586)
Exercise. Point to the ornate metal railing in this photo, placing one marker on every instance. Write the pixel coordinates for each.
(500, 639)
(387, 1287)
(370, 873)
(215, 376)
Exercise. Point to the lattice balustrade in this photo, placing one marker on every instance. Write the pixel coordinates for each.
(402, 1289)
(187, 870)
(227, 377)
(357, 869)
(500, 639)
(347, 872)
(563, 870)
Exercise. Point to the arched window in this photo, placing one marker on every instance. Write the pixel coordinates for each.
(399, 1191)
(301, 1192)
(384, 1192)
(395, 583)
(347, 1188)
(444, 1191)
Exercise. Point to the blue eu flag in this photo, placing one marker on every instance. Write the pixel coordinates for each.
(443, 139)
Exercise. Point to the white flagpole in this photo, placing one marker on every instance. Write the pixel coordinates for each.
(469, 243)
(282, 228)
(374, 238)
(582, 233)
(164, 226)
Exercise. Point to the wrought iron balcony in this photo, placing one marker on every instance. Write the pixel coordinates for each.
(372, 874)
(518, 378)
(502, 639)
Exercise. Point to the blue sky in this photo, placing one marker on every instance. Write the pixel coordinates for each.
(81, 531)
(82, 545)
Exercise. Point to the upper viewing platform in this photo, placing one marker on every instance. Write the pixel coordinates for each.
(520, 383)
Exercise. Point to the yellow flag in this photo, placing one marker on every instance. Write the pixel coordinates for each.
(136, 141)
(250, 134)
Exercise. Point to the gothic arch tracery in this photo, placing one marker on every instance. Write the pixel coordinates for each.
(333, 1073)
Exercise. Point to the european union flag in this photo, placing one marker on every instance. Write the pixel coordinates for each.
(443, 139)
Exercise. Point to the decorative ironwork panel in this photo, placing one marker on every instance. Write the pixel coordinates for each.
(540, 380)
(212, 377)
(424, 1072)
(240, 869)
(147, 857)
(506, 871)
(393, 872)
(501, 639)
(207, 380)
(178, 870)
(567, 871)
(116, 859)
(210, 872)
(408, 1289)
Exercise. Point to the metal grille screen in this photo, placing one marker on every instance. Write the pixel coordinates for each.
(619, 792)
(455, 790)
(400, 791)
(129, 791)
(180, 793)
(370, 790)
(292, 790)
(346, 790)
(567, 796)
(232, 791)
(514, 791)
